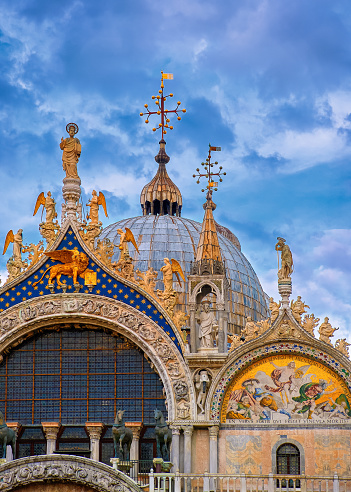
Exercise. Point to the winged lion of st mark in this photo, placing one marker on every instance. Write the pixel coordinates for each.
(75, 264)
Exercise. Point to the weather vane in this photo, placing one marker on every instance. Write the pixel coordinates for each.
(160, 103)
(209, 174)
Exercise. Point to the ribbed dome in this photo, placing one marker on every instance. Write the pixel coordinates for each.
(159, 237)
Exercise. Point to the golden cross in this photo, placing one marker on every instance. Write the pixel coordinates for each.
(209, 174)
(161, 111)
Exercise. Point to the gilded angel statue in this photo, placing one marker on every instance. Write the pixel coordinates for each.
(170, 267)
(94, 204)
(16, 239)
(126, 237)
(49, 205)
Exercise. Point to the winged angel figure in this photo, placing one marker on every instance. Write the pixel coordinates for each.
(74, 264)
(170, 267)
(16, 239)
(48, 204)
(126, 237)
(94, 204)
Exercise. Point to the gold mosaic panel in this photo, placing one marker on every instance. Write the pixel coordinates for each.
(285, 387)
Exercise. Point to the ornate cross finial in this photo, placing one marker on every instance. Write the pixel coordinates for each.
(209, 174)
(160, 103)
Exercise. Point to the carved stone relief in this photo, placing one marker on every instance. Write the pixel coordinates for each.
(140, 327)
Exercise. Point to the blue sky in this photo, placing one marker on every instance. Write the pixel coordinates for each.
(267, 80)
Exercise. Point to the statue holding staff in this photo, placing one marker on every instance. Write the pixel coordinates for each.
(287, 265)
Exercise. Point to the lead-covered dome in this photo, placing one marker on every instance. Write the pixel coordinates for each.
(160, 237)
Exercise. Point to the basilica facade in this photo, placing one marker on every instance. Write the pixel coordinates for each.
(160, 312)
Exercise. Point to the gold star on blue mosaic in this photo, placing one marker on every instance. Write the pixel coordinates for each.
(111, 287)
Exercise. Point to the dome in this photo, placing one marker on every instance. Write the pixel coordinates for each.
(164, 236)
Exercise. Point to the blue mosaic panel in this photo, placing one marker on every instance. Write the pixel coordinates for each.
(107, 286)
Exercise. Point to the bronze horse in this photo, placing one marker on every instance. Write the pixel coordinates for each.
(7, 437)
(163, 436)
(122, 437)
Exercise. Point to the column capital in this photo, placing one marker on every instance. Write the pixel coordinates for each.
(188, 430)
(51, 429)
(175, 430)
(94, 429)
(15, 426)
(136, 428)
(213, 431)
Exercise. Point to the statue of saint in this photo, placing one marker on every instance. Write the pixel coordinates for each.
(71, 151)
(326, 331)
(298, 308)
(251, 330)
(208, 326)
(202, 382)
(286, 259)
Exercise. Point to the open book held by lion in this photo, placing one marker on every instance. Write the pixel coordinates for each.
(74, 263)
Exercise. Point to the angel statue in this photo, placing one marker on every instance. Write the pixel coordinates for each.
(15, 263)
(287, 265)
(48, 204)
(16, 239)
(94, 204)
(170, 267)
(126, 237)
(71, 151)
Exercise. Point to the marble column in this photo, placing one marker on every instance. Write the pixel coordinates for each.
(213, 431)
(175, 448)
(51, 429)
(94, 430)
(16, 427)
(188, 432)
(136, 428)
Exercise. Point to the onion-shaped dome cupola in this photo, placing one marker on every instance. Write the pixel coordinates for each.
(161, 196)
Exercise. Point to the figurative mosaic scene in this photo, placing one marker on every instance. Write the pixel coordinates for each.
(284, 388)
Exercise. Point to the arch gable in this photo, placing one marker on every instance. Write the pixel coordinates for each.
(246, 359)
(109, 285)
(39, 314)
(69, 469)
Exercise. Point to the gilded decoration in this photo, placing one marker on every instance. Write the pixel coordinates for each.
(74, 263)
(50, 227)
(285, 387)
(35, 252)
(71, 150)
(15, 265)
(288, 347)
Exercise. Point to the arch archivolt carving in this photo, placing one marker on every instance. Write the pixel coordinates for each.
(69, 469)
(21, 321)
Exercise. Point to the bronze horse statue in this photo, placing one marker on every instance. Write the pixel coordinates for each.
(7, 438)
(163, 437)
(122, 437)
